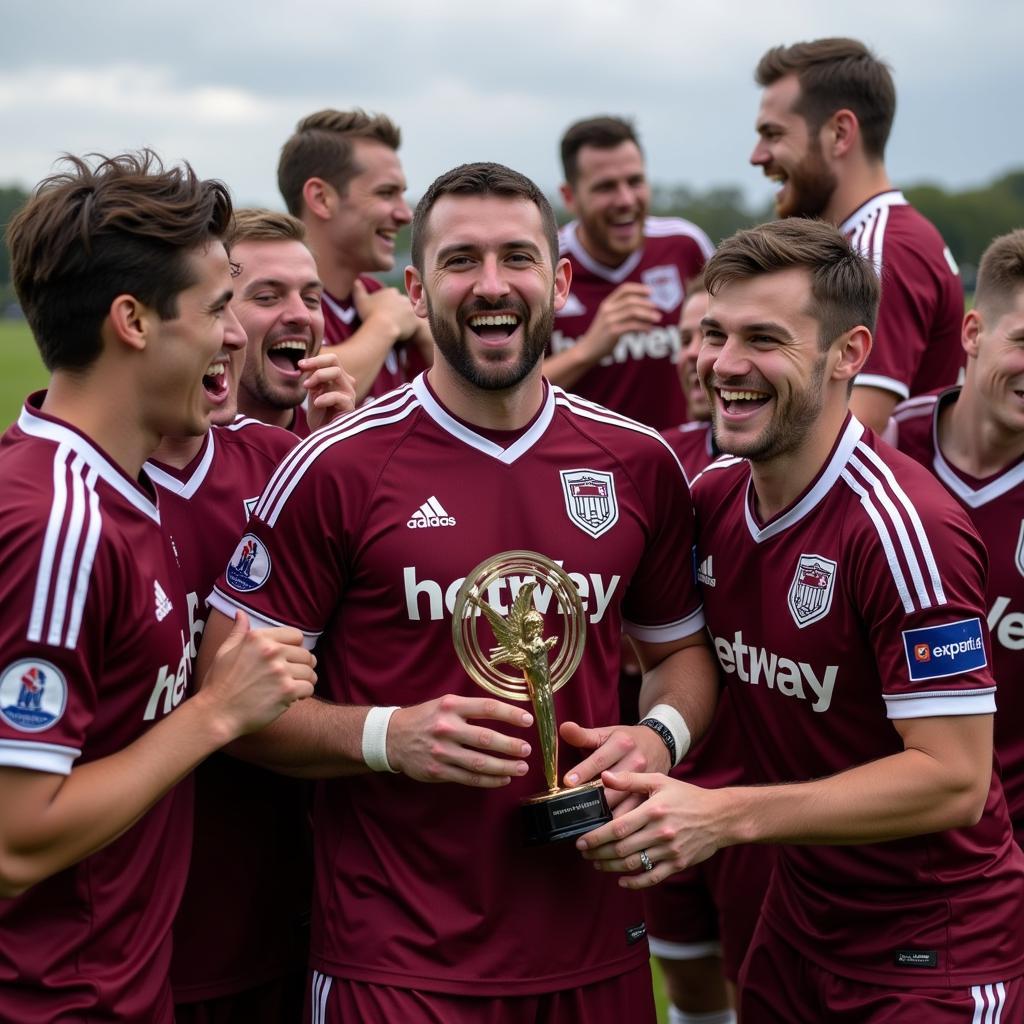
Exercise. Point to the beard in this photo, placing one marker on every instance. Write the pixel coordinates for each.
(494, 374)
(809, 186)
(789, 427)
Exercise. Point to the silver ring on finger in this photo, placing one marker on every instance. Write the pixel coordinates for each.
(645, 861)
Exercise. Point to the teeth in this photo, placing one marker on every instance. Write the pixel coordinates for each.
(741, 396)
(289, 346)
(216, 370)
(499, 320)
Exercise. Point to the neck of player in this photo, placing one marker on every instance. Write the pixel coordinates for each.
(337, 276)
(780, 480)
(973, 440)
(856, 186)
(507, 409)
(120, 428)
(178, 451)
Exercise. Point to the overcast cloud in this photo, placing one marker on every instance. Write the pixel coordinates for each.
(222, 85)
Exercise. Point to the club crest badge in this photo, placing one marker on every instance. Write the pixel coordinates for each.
(249, 567)
(1020, 550)
(810, 593)
(590, 500)
(666, 287)
(33, 695)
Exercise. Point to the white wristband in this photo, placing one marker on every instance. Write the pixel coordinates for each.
(676, 724)
(375, 739)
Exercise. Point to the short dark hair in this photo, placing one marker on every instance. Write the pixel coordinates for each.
(482, 179)
(253, 224)
(604, 132)
(1001, 273)
(322, 147)
(834, 74)
(844, 285)
(118, 225)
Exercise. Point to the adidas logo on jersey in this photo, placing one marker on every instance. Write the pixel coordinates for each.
(706, 573)
(163, 602)
(430, 513)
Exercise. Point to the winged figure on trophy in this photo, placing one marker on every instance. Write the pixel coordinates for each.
(521, 643)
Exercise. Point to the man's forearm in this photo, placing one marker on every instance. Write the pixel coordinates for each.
(313, 739)
(48, 822)
(906, 794)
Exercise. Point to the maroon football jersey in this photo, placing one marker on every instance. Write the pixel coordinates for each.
(861, 603)
(637, 379)
(917, 337)
(430, 886)
(341, 321)
(996, 507)
(95, 640)
(693, 444)
(249, 881)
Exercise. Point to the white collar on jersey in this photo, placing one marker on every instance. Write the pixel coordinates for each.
(826, 481)
(184, 488)
(970, 496)
(572, 245)
(466, 435)
(346, 316)
(48, 429)
(872, 207)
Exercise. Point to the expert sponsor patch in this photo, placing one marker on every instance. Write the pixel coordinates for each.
(951, 649)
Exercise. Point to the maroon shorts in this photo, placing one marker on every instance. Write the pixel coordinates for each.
(779, 986)
(277, 1002)
(710, 909)
(626, 997)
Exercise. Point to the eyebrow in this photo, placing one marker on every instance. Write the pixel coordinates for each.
(767, 327)
(469, 247)
(223, 299)
(273, 282)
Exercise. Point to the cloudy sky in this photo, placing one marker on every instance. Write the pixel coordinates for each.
(222, 84)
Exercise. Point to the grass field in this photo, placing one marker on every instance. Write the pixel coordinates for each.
(22, 371)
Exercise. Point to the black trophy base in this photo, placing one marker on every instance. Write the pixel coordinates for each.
(553, 817)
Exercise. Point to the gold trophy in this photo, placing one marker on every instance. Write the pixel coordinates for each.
(520, 643)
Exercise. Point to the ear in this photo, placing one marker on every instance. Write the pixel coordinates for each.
(851, 352)
(971, 332)
(129, 322)
(840, 133)
(416, 292)
(568, 197)
(319, 198)
(563, 282)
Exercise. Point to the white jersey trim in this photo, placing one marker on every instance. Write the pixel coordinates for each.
(294, 465)
(38, 757)
(970, 496)
(654, 227)
(940, 703)
(185, 488)
(346, 316)
(855, 227)
(230, 607)
(321, 990)
(678, 630)
(989, 1003)
(831, 474)
(600, 414)
(683, 950)
(65, 562)
(883, 383)
(36, 426)
(486, 446)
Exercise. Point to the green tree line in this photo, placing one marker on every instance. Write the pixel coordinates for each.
(968, 219)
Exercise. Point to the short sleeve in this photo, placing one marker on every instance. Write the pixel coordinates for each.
(663, 603)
